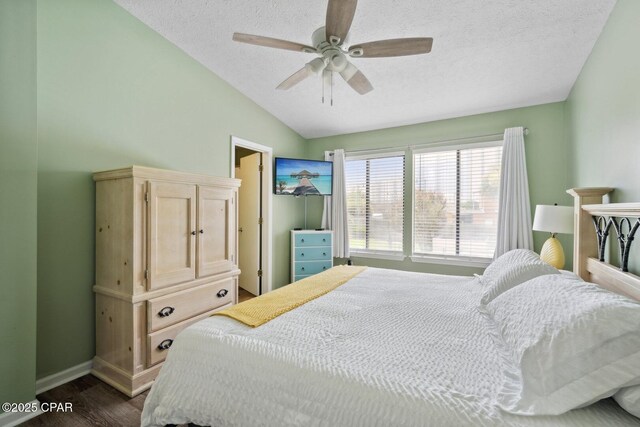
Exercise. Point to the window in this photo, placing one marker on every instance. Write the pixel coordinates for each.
(375, 203)
(456, 201)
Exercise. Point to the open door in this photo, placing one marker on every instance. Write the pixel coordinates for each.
(250, 223)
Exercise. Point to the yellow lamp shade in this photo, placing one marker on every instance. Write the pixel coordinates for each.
(552, 253)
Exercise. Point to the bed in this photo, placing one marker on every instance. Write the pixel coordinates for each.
(385, 348)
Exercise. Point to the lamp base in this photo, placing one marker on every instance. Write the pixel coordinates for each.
(552, 253)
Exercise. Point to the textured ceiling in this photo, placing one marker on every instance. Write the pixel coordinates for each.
(487, 55)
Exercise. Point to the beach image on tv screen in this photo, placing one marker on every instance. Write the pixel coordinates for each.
(303, 177)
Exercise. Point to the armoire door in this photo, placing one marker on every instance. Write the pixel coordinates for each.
(216, 230)
(172, 234)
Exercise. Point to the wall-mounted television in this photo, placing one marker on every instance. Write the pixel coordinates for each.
(300, 177)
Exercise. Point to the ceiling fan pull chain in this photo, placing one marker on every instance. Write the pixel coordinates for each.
(323, 87)
(331, 89)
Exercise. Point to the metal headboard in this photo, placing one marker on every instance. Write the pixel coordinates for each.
(593, 223)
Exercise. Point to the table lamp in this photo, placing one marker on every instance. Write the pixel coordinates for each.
(553, 219)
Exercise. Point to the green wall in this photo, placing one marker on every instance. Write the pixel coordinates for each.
(603, 112)
(603, 109)
(111, 93)
(547, 163)
(18, 191)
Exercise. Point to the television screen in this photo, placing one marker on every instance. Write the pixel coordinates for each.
(299, 177)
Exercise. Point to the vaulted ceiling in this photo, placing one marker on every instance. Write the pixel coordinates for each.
(487, 55)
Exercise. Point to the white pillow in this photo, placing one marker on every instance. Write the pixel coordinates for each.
(511, 269)
(565, 344)
(629, 399)
(570, 274)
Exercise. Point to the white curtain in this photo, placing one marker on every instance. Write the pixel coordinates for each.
(334, 216)
(514, 215)
(326, 212)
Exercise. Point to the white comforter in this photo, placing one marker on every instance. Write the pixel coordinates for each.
(386, 348)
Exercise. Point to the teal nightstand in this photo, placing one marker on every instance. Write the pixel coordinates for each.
(311, 253)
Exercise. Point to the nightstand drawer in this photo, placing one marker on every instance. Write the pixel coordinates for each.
(313, 254)
(171, 309)
(313, 239)
(311, 267)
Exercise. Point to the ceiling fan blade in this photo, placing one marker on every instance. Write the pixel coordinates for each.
(295, 78)
(339, 17)
(356, 79)
(393, 47)
(314, 66)
(271, 42)
(360, 83)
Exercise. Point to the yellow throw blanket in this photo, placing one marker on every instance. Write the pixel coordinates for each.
(260, 310)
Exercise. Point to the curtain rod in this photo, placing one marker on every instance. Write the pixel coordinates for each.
(426, 144)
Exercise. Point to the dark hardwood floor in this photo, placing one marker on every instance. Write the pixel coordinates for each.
(244, 295)
(94, 404)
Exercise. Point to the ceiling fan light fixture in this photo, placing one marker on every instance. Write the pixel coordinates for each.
(349, 71)
(316, 65)
(338, 63)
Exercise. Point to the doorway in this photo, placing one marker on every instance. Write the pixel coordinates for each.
(251, 163)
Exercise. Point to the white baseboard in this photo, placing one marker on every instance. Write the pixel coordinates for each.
(10, 419)
(63, 377)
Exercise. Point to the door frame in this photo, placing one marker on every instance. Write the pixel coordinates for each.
(267, 203)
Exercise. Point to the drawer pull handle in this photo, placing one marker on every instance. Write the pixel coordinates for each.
(193, 233)
(222, 293)
(324, 267)
(302, 240)
(201, 231)
(302, 269)
(302, 254)
(324, 254)
(324, 240)
(164, 345)
(166, 312)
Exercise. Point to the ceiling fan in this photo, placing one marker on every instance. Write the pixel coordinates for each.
(328, 43)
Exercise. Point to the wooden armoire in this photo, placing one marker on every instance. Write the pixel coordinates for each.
(166, 257)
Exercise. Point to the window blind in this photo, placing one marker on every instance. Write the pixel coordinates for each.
(456, 201)
(375, 202)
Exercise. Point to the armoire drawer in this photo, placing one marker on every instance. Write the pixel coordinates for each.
(171, 309)
(159, 343)
(311, 267)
